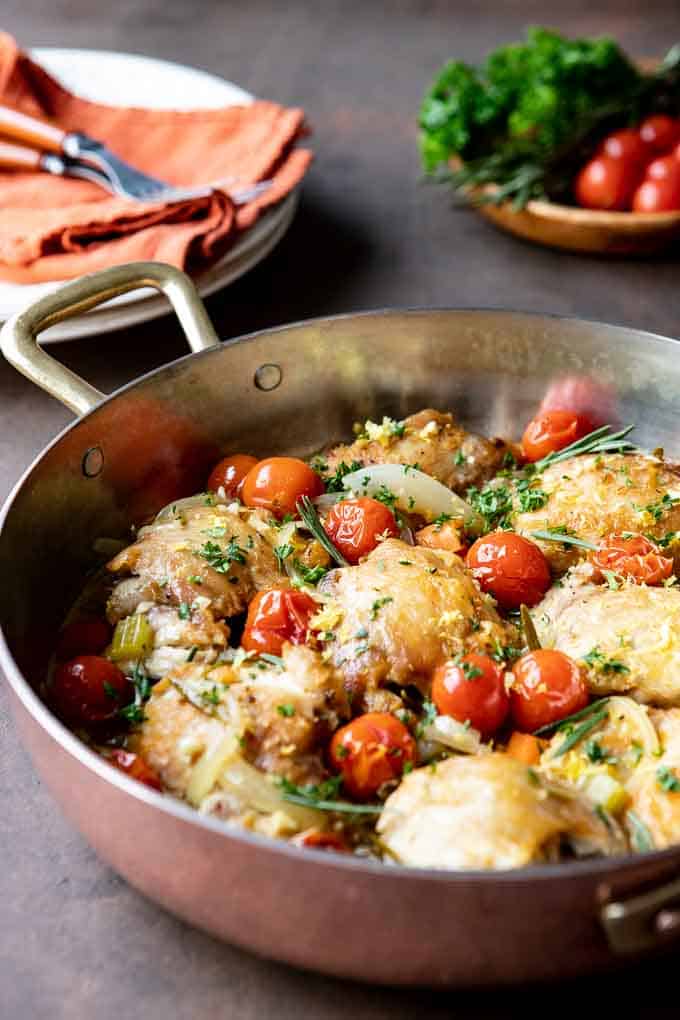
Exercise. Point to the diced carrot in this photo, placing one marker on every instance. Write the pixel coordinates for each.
(442, 536)
(524, 747)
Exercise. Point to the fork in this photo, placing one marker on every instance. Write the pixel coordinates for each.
(72, 154)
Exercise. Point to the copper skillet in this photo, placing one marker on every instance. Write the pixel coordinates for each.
(293, 389)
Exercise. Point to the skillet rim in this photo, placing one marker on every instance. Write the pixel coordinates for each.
(68, 741)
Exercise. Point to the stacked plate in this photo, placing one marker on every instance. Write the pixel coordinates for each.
(119, 79)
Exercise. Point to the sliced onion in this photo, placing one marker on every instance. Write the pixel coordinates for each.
(414, 490)
(172, 511)
(326, 500)
(451, 733)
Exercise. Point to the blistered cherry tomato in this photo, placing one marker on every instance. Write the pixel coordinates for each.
(354, 526)
(553, 430)
(371, 750)
(472, 689)
(89, 689)
(633, 557)
(276, 616)
(135, 767)
(660, 132)
(660, 190)
(548, 686)
(83, 637)
(230, 473)
(626, 145)
(277, 483)
(318, 840)
(509, 567)
(607, 183)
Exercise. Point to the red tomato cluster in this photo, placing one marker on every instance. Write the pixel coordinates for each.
(634, 169)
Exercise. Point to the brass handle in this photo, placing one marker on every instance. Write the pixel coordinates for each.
(36, 133)
(18, 337)
(19, 157)
(642, 922)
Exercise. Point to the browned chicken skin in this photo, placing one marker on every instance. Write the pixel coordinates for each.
(206, 551)
(401, 612)
(432, 440)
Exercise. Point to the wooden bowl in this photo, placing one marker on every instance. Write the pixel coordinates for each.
(586, 230)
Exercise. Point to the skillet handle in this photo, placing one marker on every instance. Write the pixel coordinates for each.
(19, 335)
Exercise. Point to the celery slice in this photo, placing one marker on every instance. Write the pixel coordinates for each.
(132, 638)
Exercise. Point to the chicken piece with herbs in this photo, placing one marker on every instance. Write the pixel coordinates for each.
(162, 638)
(626, 638)
(206, 551)
(592, 496)
(402, 611)
(430, 439)
(654, 789)
(487, 811)
(281, 713)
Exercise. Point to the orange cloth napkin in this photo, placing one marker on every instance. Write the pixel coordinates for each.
(55, 228)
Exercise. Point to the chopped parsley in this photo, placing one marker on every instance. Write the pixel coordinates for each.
(658, 509)
(386, 496)
(221, 559)
(470, 672)
(184, 611)
(529, 498)
(195, 579)
(334, 482)
(493, 503)
(597, 660)
(428, 717)
(459, 458)
(192, 653)
(110, 691)
(286, 710)
(212, 697)
(378, 604)
(134, 713)
(310, 575)
(440, 520)
(667, 779)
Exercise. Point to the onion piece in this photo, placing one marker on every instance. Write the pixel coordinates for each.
(326, 500)
(451, 733)
(173, 510)
(415, 491)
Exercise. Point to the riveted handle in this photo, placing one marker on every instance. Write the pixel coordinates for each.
(19, 157)
(18, 337)
(647, 921)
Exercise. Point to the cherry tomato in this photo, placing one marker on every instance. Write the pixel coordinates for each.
(276, 616)
(472, 689)
(607, 183)
(371, 750)
(553, 430)
(355, 524)
(318, 840)
(633, 557)
(548, 685)
(90, 689)
(135, 767)
(509, 567)
(583, 395)
(277, 483)
(626, 145)
(660, 190)
(230, 473)
(660, 132)
(83, 637)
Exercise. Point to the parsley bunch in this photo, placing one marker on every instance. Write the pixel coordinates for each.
(534, 111)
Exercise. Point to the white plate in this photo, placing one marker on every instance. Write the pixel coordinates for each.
(120, 79)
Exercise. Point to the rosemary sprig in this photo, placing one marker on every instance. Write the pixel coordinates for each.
(558, 536)
(529, 630)
(601, 440)
(640, 837)
(317, 797)
(580, 732)
(307, 512)
(574, 717)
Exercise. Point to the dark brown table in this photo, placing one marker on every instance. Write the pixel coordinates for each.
(75, 940)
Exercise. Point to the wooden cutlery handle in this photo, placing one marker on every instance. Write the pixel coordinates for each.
(18, 157)
(36, 133)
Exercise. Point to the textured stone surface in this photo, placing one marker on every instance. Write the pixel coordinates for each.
(75, 941)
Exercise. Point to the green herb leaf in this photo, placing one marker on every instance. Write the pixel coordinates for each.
(667, 779)
(308, 514)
